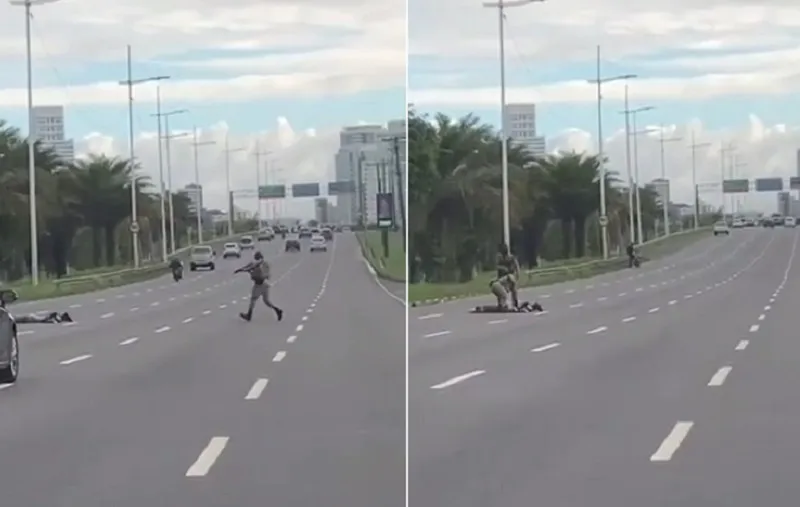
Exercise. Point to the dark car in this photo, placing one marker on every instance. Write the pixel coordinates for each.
(327, 234)
(292, 245)
(305, 232)
(9, 346)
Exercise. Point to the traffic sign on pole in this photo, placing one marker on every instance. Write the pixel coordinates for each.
(603, 220)
(135, 227)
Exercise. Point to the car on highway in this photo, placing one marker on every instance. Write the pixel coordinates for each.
(721, 228)
(327, 233)
(292, 244)
(201, 256)
(267, 234)
(790, 222)
(9, 343)
(231, 250)
(738, 223)
(777, 219)
(305, 232)
(318, 244)
(247, 243)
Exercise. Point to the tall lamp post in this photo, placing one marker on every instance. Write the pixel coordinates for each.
(31, 141)
(501, 6)
(258, 154)
(665, 204)
(694, 147)
(130, 83)
(167, 139)
(228, 195)
(630, 114)
(199, 198)
(599, 81)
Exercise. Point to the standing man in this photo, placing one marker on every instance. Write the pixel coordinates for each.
(259, 274)
(508, 270)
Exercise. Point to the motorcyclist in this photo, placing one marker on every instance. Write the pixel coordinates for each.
(508, 272)
(259, 273)
(176, 266)
(630, 250)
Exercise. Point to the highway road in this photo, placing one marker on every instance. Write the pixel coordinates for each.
(672, 385)
(159, 395)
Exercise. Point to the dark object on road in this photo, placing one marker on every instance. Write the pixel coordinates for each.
(525, 307)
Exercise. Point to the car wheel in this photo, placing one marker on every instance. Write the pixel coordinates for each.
(10, 373)
(192, 267)
(211, 267)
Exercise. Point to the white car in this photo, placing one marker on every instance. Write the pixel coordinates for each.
(231, 250)
(790, 222)
(738, 223)
(721, 228)
(318, 244)
(202, 256)
(247, 243)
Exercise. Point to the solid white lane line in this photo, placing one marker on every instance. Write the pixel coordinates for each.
(291, 339)
(455, 380)
(279, 356)
(258, 387)
(719, 378)
(754, 328)
(188, 319)
(500, 321)
(163, 329)
(208, 457)
(439, 333)
(107, 315)
(628, 319)
(743, 344)
(129, 341)
(75, 359)
(546, 347)
(597, 330)
(673, 441)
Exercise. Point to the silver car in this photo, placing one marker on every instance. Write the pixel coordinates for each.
(9, 345)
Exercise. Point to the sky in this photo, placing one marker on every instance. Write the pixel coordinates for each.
(723, 71)
(285, 75)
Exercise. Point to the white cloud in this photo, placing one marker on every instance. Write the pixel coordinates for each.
(761, 152)
(363, 41)
(297, 157)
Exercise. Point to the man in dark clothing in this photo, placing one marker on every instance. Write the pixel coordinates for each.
(631, 251)
(259, 274)
(508, 272)
(50, 318)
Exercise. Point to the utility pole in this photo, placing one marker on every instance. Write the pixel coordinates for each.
(599, 81)
(228, 193)
(694, 147)
(258, 155)
(167, 138)
(398, 172)
(664, 177)
(199, 197)
(130, 83)
(635, 184)
(723, 151)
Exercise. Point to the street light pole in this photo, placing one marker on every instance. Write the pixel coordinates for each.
(694, 146)
(665, 204)
(130, 83)
(199, 197)
(723, 150)
(34, 229)
(228, 194)
(501, 5)
(161, 178)
(167, 139)
(599, 81)
(632, 114)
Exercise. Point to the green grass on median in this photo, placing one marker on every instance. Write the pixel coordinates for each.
(392, 267)
(548, 275)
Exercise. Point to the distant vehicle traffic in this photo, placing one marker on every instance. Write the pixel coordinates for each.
(318, 244)
(201, 256)
(790, 222)
(721, 228)
(292, 244)
(247, 243)
(231, 250)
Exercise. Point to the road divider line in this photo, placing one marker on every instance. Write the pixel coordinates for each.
(163, 329)
(21, 333)
(438, 333)
(597, 330)
(107, 315)
(742, 345)
(653, 310)
(754, 328)
(546, 347)
(673, 302)
(499, 321)
(258, 387)
(129, 341)
(279, 356)
(291, 339)
(719, 378)
(576, 305)
(456, 380)
(75, 359)
(208, 457)
(299, 328)
(673, 441)
(628, 319)
(762, 317)
(188, 319)
(602, 298)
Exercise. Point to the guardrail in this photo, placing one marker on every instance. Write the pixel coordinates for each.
(132, 275)
(600, 266)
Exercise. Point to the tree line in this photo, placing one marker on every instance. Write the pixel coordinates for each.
(455, 201)
(83, 211)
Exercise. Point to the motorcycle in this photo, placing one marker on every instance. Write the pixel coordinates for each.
(177, 274)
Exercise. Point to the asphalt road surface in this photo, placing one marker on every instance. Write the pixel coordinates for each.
(159, 395)
(676, 385)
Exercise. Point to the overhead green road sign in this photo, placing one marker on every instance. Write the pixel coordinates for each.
(736, 186)
(305, 190)
(341, 187)
(272, 192)
(769, 185)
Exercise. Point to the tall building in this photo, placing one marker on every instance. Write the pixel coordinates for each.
(520, 126)
(661, 188)
(48, 127)
(366, 157)
(195, 194)
(784, 203)
(321, 210)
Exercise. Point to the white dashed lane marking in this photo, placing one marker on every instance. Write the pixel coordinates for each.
(597, 330)
(546, 347)
(439, 333)
(208, 457)
(673, 441)
(257, 389)
(279, 356)
(162, 329)
(742, 344)
(456, 380)
(75, 359)
(129, 341)
(719, 378)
